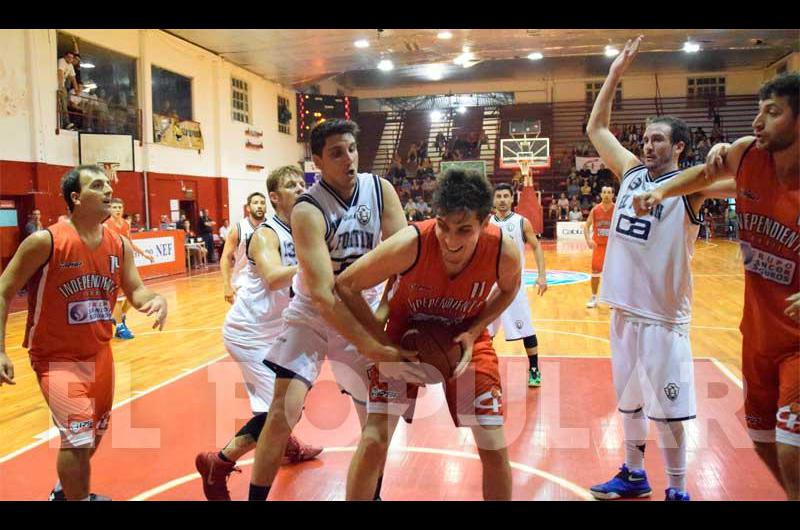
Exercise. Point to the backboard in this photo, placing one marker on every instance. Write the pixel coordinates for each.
(94, 148)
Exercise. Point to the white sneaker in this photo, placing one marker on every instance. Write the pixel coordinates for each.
(592, 302)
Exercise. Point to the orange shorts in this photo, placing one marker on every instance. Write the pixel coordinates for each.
(772, 396)
(598, 257)
(80, 395)
(475, 398)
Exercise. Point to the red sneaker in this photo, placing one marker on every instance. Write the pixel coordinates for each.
(215, 472)
(297, 451)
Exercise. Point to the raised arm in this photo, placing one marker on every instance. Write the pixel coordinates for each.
(615, 157)
(226, 262)
(533, 241)
(265, 251)
(30, 256)
(140, 297)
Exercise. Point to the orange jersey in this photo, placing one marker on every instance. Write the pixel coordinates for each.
(601, 224)
(71, 296)
(124, 229)
(769, 230)
(427, 292)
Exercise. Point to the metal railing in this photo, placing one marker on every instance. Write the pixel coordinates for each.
(92, 114)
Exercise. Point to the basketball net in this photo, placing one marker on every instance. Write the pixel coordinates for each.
(110, 169)
(525, 171)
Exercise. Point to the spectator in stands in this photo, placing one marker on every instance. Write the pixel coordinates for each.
(732, 222)
(573, 202)
(586, 190)
(396, 173)
(572, 187)
(224, 229)
(552, 212)
(563, 207)
(575, 214)
(426, 169)
(198, 252)
(441, 142)
(34, 222)
(416, 188)
(136, 223)
(66, 74)
(164, 224)
(422, 150)
(428, 186)
(413, 215)
(412, 153)
(206, 231)
(705, 228)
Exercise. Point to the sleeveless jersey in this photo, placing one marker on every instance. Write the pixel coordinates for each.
(426, 292)
(601, 224)
(647, 268)
(70, 298)
(352, 228)
(256, 311)
(123, 230)
(245, 229)
(512, 226)
(769, 230)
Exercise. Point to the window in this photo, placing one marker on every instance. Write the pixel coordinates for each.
(240, 101)
(172, 94)
(593, 89)
(705, 87)
(284, 115)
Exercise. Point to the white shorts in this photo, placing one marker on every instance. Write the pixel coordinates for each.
(301, 348)
(516, 319)
(652, 368)
(258, 379)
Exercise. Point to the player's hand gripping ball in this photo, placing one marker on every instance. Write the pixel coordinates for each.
(438, 354)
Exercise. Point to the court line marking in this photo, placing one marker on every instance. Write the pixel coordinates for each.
(564, 483)
(557, 320)
(52, 432)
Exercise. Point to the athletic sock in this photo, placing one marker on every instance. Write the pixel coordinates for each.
(57, 487)
(377, 495)
(225, 459)
(258, 493)
(673, 444)
(533, 361)
(634, 425)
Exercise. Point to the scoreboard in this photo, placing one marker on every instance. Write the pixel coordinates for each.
(314, 108)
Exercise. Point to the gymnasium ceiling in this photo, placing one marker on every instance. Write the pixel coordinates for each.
(300, 57)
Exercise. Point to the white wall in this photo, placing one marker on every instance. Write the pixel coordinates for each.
(16, 98)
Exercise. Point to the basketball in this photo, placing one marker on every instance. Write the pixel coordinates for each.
(438, 354)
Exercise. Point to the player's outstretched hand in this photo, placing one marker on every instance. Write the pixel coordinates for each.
(625, 58)
(467, 341)
(158, 306)
(541, 283)
(230, 294)
(644, 202)
(794, 307)
(6, 370)
(715, 160)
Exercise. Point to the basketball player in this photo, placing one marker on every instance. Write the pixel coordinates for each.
(253, 323)
(233, 257)
(599, 218)
(446, 268)
(767, 179)
(75, 268)
(120, 226)
(516, 319)
(648, 284)
(340, 218)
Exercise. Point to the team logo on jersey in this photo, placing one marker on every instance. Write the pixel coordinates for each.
(363, 214)
(635, 183)
(529, 277)
(71, 264)
(518, 324)
(114, 263)
(672, 390)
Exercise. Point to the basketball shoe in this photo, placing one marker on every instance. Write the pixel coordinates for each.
(674, 494)
(627, 484)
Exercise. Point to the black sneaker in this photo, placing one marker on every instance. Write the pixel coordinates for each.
(59, 496)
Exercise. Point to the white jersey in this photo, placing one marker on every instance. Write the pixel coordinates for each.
(352, 228)
(245, 229)
(256, 312)
(513, 227)
(647, 270)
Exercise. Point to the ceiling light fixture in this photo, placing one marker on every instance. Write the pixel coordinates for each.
(385, 65)
(691, 47)
(436, 115)
(535, 56)
(434, 72)
(87, 65)
(361, 43)
(611, 51)
(444, 35)
(462, 109)
(464, 59)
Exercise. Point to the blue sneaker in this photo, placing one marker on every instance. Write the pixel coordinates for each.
(123, 332)
(674, 494)
(627, 484)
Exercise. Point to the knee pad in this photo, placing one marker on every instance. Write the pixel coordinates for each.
(530, 342)
(253, 427)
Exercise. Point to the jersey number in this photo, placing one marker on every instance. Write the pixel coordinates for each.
(635, 227)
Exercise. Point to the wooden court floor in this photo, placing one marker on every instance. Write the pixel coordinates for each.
(159, 371)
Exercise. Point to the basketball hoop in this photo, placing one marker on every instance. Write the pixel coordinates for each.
(525, 171)
(110, 169)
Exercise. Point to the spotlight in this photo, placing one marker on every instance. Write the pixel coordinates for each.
(691, 47)
(436, 115)
(361, 43)
(611, 51)
(444, 35)
(535, 56)
(385, 65)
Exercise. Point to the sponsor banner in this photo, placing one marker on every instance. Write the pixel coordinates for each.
(592, 163)
(87, 311)
(569, 230)
(169, 131)
(530, 276)
(162, 248)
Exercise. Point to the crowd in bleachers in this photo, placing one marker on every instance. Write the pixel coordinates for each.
(465, 146)
(414, 181)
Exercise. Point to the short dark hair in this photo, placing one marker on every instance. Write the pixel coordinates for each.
(463, 190)
(71, 181)
(255, 194)
(504, 186)
(327, 128)
(117, 200)
(679, 131)
(785, 85)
